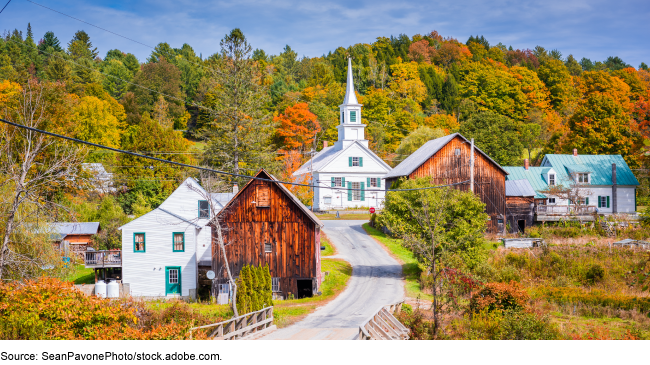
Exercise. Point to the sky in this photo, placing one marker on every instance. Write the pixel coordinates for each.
(593, 29)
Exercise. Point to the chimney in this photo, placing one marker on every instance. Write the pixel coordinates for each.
(324, 144)
(614, 198)
(235, 189)
(526, 163)
(575, 152)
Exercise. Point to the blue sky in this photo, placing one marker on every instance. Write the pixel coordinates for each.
(592, 29)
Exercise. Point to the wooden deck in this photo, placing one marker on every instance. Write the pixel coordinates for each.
(103, 259)
(551, 213)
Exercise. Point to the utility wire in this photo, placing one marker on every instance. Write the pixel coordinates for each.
(3, 8)
(199, 167)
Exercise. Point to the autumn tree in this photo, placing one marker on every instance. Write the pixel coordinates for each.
(298, 127)
(159, 78)
(416, 139)
(557, 79)
(496, 135)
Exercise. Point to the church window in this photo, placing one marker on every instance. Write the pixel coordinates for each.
(353, 116)
(374, 182)
(342, 117)
(337, 182)
(356, 191)
(356, 161)
(327, 200)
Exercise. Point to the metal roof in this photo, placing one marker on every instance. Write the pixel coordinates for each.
(222, 198)
(533, 175)
(319, 161)
(519, 188)
(63, 229)
(417, 158)
(598, 166)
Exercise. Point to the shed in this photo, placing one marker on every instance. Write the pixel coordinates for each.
(75, 236)
(446, 160)
(520, 205)
(265, 223)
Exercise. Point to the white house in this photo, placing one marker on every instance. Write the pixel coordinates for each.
(348, 174)
(163, 249)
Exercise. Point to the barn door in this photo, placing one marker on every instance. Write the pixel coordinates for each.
(173, 280)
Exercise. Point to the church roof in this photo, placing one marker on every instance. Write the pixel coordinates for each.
(350, 96)
(329, 154)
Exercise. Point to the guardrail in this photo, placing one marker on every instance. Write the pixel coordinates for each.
(241, 326)
(383, 325)
(108, 258)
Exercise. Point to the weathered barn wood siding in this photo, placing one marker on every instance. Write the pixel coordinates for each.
(445, 167)
(519, 208)
(246, 227)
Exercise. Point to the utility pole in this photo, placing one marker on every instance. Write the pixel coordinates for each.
(471, 168)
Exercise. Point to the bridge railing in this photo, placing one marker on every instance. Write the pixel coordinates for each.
(239, 327)
(383, 325)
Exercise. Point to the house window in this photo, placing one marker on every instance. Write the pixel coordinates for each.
(327, 200)
(373, 182)
(353, 117)
(583, 178)
(179, 241)
(263, 196)
(551, 179)
(204, 209)
(356, 161)
(275, 284)
(551, 200)
(138, 242)
(603, 202)
(267, 247)
(356, 191)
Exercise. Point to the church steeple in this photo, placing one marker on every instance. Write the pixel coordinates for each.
(350, 128)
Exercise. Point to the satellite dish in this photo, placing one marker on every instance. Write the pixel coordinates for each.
(210, 274)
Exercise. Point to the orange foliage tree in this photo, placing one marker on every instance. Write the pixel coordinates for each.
(298, 126)
(292, 160)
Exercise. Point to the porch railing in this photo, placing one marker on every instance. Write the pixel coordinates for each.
(241, 326)
(565, 209)
(108, 258)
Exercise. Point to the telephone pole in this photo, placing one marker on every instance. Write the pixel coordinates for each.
(471, 167)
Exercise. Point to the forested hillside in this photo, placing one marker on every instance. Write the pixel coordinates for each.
(240, 109)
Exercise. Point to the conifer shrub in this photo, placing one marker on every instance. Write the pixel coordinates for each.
(254, 289)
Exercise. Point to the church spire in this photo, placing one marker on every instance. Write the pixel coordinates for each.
(350, 96)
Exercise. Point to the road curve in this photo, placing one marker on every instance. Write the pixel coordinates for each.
(376, 281)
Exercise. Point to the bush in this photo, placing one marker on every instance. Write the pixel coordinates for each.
(254, 289)
(499, 297)
(519, 325)
(51, 309)
(595, 274)
(593, 297)
(519, 261)
(420, 328)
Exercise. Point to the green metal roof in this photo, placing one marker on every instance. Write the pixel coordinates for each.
(533, 175)
(599, 168)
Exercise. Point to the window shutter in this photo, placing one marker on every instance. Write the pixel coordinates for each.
(350, 161)
(607, 201)
(333, 182)
(379, 182)
(368, 182)
(360, 161)
(598, 203)
(342, 181)
(363, 192)
(587, 201)
(349, 191)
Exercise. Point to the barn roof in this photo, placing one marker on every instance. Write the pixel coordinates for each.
(417, 158)
(63, 229)
(300, 205)
(519, 188)
(599, 168)
(533, 175)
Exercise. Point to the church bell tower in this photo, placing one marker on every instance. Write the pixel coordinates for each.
(350, 127)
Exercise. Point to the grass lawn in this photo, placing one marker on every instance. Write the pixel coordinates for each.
(329, 248)
(411, 269)
(82, 275)
(329, 217)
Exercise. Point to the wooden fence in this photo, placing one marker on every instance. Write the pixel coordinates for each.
(241, 326)
(98, 259)
(383, 325)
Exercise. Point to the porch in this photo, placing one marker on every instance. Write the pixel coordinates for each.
(103, 259)
(551, 213)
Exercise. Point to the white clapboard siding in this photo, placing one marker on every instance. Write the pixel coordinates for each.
(145, 271)
(625, 198)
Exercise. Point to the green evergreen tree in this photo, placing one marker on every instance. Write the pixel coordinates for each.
(50, 40)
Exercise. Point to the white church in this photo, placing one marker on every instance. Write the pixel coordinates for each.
(349, 174)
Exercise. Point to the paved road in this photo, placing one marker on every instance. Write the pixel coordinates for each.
(376, 281)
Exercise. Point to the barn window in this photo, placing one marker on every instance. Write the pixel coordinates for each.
(179, 241)
(267, 247)
(275, 284)
(263, 196)
(457, 152)
(204, 209)
(138, 242)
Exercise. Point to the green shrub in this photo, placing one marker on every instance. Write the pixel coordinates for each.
(253, 289)
(534, 232)
(517, 260)
(520, 325)
(508, 274)
(407, 308)
(595, 274)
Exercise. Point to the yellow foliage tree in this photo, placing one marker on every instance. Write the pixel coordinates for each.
(94, 122)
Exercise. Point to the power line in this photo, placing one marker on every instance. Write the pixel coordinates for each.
(199, 167)
(3, 8)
